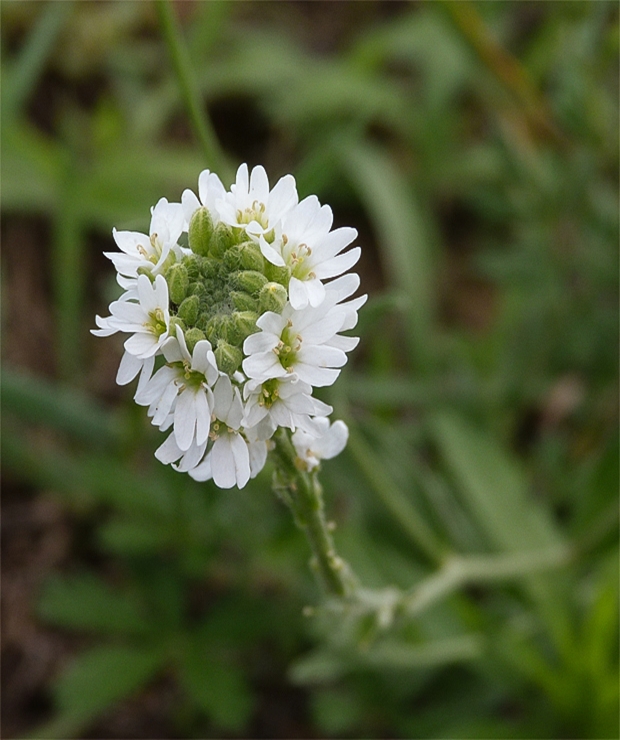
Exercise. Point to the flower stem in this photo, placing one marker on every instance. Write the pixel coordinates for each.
(203, 127)
(303, 494)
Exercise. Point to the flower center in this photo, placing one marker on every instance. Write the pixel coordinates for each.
(269, 393)
(257, 213)
(187, 377)
(154, 253)
(288, 347)
(218, 428)
(299, 263)
(157, 325)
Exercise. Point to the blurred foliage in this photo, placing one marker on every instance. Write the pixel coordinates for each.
(475, 148)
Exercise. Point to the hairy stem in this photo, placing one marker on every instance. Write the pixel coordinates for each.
(302, 493)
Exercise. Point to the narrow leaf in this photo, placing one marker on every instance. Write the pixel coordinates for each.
(399, 225)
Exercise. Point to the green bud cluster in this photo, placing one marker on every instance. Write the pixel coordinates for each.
(219, 290)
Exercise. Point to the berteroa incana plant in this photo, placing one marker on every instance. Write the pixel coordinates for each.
(230, 334)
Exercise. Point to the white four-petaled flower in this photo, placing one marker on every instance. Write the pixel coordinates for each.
(327, 442)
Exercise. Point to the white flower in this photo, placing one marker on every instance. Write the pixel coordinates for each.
(231, 460)
(148, 320)
(250, 204)
(148, 252)
(182, 389)
(280, 402)
(210, 190)
(295, 342)
(331, 441)
(310, 250)
(305, 342)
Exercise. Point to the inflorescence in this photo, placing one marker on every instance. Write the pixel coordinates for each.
(230, 334)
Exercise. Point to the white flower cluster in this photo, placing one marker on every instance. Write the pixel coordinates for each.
(230, 333)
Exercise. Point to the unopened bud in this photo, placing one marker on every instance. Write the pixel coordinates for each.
(242, 301)
(232, 258)
(228, 357)
(223, 238)
(192, 263)
(178, 282)
(198, 289)
(142, 270)
(168, 262)
(176, 323)
(272, 297)
(192, 337)
(277, 274)
(209, 267)
(243, 324)
(188, 310)
(219, 327)
(251, 257)
(202, 321)
(200, 231)
(249, 281)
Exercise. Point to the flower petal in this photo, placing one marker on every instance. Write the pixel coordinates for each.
(338, 265)
(184, 420)
(128, 369)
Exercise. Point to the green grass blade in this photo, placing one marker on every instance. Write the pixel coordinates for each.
(399, 226)
(26, 70)
(214, 155)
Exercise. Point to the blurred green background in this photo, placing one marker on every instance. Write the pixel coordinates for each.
(475, 149)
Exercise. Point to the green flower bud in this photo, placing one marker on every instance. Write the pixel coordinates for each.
(198, 289)
(200, 231)
(228, 357)
(176, 323)
(178, 282)
(219, 327)
(251, 257)
(277, 274)
(146, 271)
(242, 301)
(202, 322)
(239, 234)
(192, 337)
(249, 281)
(209, 267)
(193, 264)
(232, 258)
(272, 297)
(243, 324)
(223, 238)
(168, 262)
(188, 310)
